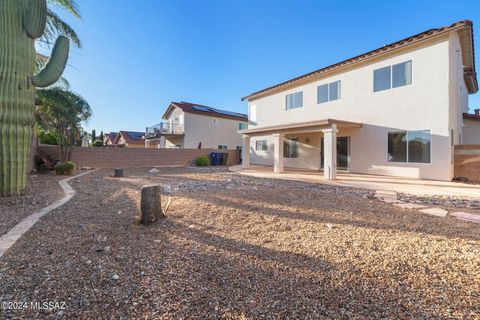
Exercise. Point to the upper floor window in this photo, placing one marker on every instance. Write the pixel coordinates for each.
(329, 92)
(253, 113)
(397, 75)
(294, 100)
(222, 147)
(242, 126)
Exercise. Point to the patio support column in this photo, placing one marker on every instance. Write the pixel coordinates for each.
(147, 144)
(161, 142)
(330, 152)
(278, 153)
(245, 152)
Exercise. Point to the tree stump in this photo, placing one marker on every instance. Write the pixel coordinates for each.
(118, 172)
(151, 205)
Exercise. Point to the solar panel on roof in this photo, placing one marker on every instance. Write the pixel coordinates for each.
(201, 108)
(224, 112)
(229, 113)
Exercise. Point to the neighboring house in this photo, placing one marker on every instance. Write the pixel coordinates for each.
(471, 128)
(109, 138)
(191, 125)
(130, 139)
(396, 110)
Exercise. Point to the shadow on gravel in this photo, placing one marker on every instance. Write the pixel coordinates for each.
(349, 212)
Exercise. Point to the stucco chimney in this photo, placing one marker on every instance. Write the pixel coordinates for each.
(477, 112)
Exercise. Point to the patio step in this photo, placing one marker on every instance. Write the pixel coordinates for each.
(438, 212)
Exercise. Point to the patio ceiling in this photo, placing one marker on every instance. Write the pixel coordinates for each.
(300, 127)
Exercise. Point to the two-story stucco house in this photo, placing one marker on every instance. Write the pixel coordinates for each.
(397, 110)
(191, 125)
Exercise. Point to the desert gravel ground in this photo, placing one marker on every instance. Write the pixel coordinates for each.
(42, 190)
(245, 248)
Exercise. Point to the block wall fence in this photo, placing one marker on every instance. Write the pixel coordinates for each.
(108, 157)
(467, 162)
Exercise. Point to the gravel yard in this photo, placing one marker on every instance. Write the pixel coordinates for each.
(240, 247)
(42, 190)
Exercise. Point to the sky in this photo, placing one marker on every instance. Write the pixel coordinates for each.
(138, 56)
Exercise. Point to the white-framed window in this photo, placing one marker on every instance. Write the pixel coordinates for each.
(290, 148)
(181, 119)
(222, 147)
(294, 100)
(329, 92)
(409, 146)
(252, 115)
(242, 126)
(397, 75)
(261, 145)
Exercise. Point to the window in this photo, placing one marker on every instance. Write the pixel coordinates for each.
(215, 121)
(294, 100)
(398, 75)
(181, 119)
(242, 126)
(409, 146)
(253, 112)
(261, 145)
(290, 148)
(397, 147)
(222, 147)
(328, 92)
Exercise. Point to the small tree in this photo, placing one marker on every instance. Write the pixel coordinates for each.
(63, 112)
(94, 136)
(101, 137)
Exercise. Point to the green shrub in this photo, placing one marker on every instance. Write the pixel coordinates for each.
(48, 137)
(97, 143)
(202, 161)
(67, 168)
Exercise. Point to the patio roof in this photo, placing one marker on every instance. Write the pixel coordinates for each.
(309, 126)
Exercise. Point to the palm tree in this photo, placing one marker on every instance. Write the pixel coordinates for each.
(56, 26)
(62, 111)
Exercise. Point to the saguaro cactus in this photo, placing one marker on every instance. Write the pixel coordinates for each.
(21, 22)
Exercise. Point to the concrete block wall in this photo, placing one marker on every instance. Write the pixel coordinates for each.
(467, 162)
(109, 157)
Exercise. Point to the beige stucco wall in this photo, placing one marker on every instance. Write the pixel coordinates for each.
(199, 128)
(471, 131)
(423, 105)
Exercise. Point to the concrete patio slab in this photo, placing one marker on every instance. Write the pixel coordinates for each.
(438, 212)
(418, 187)
(467, 216)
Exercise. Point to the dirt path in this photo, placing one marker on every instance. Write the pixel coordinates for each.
(241, 247)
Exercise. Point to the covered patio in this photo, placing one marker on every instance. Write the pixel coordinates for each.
(419, 187)
(328, 128)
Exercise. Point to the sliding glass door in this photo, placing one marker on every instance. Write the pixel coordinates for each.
(343, 153)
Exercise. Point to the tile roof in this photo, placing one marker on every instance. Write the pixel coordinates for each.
(206, 111)
(111, 136)
(368, 55)
(131, 137)
(471, 116)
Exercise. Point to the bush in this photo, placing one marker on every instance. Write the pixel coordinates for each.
(48, 137)
(97, 143)
(67, 168)
(202, 161)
